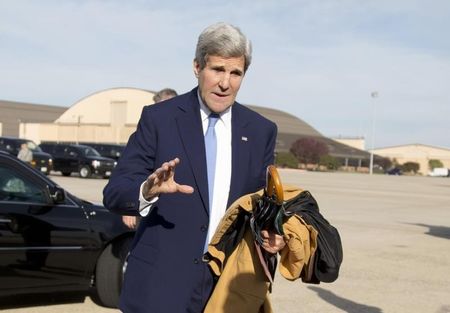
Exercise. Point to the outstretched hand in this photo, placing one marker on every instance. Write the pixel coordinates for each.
(162, 181)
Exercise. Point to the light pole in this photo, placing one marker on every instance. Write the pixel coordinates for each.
(78, 127)
(374, 95)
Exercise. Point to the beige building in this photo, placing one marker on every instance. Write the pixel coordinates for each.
(416, 153)
(108, 116)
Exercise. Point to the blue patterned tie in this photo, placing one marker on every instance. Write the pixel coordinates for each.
(211, 152)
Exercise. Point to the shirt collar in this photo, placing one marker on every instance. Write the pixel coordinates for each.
(225, 116)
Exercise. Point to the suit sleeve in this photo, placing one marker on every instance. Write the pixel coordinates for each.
(121, 194)
(269, 154)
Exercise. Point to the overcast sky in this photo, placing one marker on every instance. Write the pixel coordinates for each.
(318, 60)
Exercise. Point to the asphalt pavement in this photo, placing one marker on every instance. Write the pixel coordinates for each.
(396, 238)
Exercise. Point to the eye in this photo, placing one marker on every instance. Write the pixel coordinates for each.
(236, 73)
(218, 69)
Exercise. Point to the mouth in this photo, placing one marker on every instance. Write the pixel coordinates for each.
(220, 95)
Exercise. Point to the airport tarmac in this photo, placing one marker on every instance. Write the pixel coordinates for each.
(396, 239)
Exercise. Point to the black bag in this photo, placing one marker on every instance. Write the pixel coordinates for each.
(328, 256)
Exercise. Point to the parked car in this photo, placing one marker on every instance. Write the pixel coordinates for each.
(109, 150)
(439, 172)
(41, 160)
(80, 159)
(52, 241)
(394, 171)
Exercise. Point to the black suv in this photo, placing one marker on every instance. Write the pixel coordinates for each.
(80, 159)
(41, 161)
(52, 241)
(109, 150)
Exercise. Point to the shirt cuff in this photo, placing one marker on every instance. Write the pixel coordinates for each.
(145, 206)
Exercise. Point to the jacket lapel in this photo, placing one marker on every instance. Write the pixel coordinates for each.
(191, 133)
(240, 152)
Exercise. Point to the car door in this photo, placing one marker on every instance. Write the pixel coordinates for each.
(72, 157)
(42, 245)
(57, 153)
(7, 145)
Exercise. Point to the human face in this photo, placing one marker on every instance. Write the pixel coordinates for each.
(219, 81)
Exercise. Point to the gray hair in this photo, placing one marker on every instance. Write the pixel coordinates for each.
(224, 40)
(164, 94)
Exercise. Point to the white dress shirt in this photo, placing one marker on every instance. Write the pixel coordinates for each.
(222, 177)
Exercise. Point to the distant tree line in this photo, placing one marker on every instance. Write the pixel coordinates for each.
(309, 151)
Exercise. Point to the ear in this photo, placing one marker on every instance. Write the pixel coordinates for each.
(196, 68)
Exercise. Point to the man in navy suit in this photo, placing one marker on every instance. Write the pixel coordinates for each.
(189, 159)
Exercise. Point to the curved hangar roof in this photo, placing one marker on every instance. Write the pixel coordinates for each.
(104, 106)
(287, 123)
(124, 106)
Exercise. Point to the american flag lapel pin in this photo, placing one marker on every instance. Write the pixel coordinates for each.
(244, 138)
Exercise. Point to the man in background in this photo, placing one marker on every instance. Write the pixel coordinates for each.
(25, 154)
(164, 94)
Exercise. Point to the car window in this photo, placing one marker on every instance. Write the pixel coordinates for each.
(117, 151)
(14, 146)
(72, 152)
(88, 151)
(15, 187)
(33, 147)
(47, 148)
(59, 150)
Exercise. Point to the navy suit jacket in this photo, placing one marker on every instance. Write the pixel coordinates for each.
(165, 260)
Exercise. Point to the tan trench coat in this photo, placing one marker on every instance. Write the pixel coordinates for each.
(242, 285)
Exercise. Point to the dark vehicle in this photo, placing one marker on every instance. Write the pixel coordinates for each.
(109, 150)
(394, 171)
(51, 241)
(42, 161)
(80, 159)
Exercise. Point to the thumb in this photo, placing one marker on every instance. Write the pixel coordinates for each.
(185, 189)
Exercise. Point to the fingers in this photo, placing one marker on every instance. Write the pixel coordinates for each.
(162, 173)
(268, 238)
(162, 180)
(129, 221)
(272, 242)
(165, 172)
(168, 168)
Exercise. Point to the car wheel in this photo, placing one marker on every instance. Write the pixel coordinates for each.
(85, 172)
(109, 273)
(66, 173)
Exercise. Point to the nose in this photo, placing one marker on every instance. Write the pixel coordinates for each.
(224, 82)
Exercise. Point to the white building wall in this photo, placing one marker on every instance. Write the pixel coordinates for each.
(358, 143)
(418, 153)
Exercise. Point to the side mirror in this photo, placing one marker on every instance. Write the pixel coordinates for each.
(57, 194)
